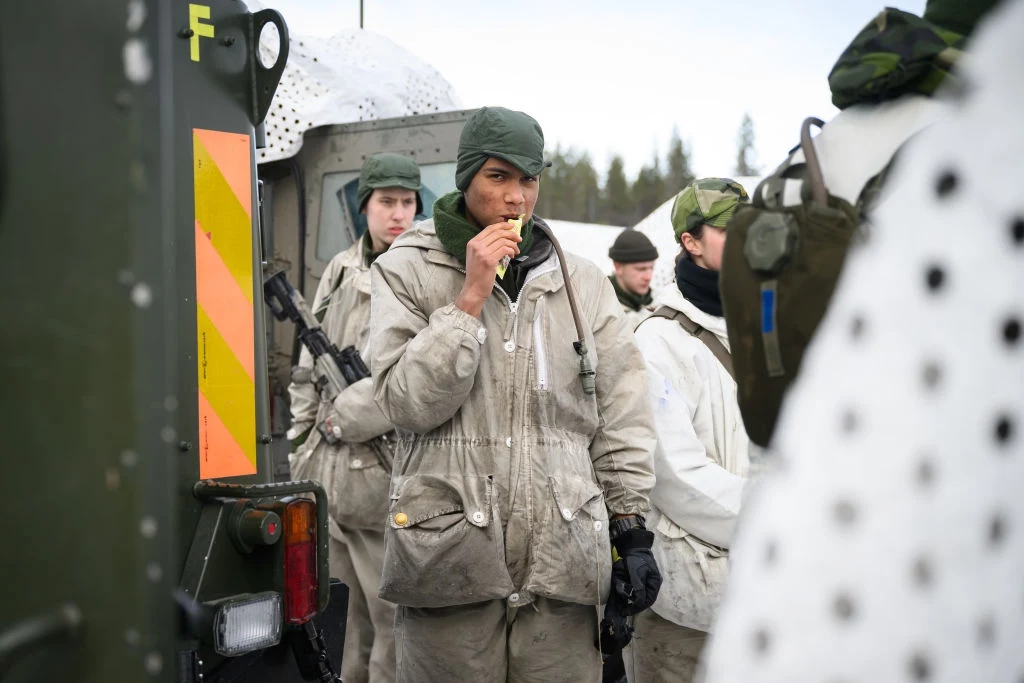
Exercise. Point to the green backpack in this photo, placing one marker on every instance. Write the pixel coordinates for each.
(781, 263)
(779, 269)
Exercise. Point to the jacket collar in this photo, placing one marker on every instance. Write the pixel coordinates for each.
(352, 260)
(353, 256)
(674, 299)
(423, 236)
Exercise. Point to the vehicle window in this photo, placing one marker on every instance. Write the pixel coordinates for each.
(341, 222)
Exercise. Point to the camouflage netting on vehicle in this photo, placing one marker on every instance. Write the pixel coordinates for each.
(354, 75)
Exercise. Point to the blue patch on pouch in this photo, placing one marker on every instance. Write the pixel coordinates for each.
(767, 311)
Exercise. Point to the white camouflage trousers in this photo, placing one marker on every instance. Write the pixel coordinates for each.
(357, 557)
(662, 652)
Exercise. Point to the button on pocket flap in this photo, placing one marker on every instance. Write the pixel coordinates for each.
(572, 493)
(422, 497)
(362, 459)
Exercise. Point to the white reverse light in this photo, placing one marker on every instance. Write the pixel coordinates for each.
(247, 624)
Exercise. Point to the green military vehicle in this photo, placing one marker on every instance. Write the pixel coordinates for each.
(147, 540)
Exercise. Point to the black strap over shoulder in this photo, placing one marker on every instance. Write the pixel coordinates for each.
(709, 339)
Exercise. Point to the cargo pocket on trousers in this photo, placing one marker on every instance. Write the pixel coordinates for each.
(359, 493)
(573, 553)
(694, 576)
(443, 544)
(313, 461)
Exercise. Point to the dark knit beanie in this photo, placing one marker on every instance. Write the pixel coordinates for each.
(632, 246)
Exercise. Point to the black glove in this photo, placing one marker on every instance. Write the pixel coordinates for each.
(635, 578)
(615, 633)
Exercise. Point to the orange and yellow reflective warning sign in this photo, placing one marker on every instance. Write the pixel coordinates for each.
(224, 303)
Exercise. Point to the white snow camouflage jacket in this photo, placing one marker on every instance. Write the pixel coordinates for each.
(700, 460)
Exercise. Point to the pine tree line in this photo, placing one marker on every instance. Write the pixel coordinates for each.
(571, 190)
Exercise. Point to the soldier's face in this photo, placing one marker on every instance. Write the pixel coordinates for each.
(389, 212)
(498, 192)
(706, 251)
(635, 277)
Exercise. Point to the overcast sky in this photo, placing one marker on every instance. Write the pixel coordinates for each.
(616, 76)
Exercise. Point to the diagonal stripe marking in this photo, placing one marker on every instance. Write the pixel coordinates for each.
(219, 453)
(224, 302)
(229, 227)
(225, 384)
(231, 154)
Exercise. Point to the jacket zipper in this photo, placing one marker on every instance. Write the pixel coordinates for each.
(540, 357)
(512, 327)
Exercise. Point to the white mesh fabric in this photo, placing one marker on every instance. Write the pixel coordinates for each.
(354, 75)
(889, 546)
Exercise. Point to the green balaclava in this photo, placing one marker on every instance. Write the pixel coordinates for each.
(497, 132)
(960, 16)
(388, 170)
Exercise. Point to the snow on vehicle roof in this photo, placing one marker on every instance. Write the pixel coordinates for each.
(658, 228)
(354, 75)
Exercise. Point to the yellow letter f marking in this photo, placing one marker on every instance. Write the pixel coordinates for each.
(195, 14)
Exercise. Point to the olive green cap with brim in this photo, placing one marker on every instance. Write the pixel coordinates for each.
(497, 132)
(708, 201)
(388, 170)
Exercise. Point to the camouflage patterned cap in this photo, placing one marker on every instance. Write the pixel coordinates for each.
(710, 201)
(895, 54)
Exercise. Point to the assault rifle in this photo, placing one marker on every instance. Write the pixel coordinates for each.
(333, 369)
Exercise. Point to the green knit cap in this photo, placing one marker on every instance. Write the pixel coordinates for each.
(710, 201)
(510, 135)
(388, 170)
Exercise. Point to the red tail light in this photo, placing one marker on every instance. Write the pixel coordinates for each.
(300, 584)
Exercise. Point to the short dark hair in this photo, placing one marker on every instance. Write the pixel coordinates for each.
(697, 233)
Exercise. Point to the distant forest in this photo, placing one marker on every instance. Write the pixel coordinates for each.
(570, 190)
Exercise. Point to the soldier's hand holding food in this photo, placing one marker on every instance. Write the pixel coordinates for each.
(484, 253)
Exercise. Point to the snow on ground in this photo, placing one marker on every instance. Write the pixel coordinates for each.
(589, 240)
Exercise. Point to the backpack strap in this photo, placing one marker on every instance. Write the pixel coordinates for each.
(709, 339)
(321, 312)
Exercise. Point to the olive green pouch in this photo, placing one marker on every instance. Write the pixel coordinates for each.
(780, 268)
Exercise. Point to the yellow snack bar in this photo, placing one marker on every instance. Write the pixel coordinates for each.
(517, 225)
